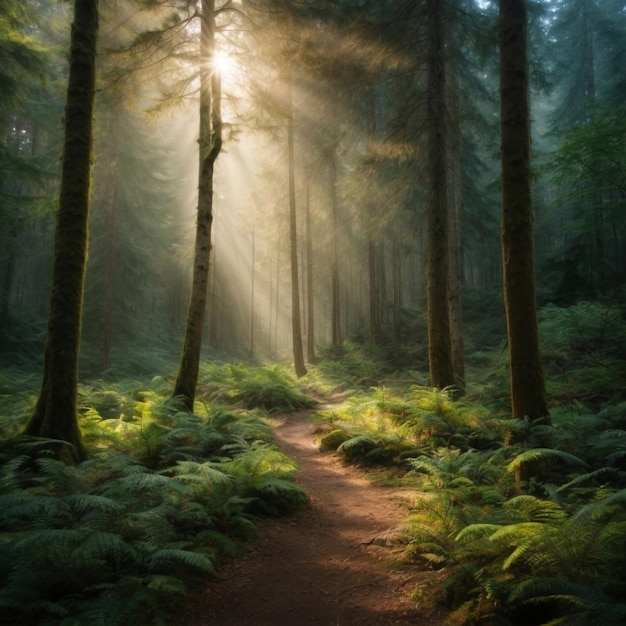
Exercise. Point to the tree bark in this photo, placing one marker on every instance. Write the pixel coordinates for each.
(311, 356)
(296, 325)
(372, 256)
(528, 396)
(210, 142)
(439, 348)
(111, 207)
(55, 414)
(336, 337)
(455, 301)
(253, 254)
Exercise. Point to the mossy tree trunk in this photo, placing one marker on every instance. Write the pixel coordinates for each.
(528, 396)
(210, 144)
(439, 347)
(55, 414)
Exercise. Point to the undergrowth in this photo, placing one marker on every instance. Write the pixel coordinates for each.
(271, 388)
(551, 550)
(166, 496)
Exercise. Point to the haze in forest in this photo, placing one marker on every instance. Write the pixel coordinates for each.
(400, 221)
(356, 72)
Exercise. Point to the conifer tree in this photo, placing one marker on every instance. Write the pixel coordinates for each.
(528, 395)
(210, 141)
(55, 413)
(439, 346)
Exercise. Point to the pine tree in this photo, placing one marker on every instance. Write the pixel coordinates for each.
(55, 414)
(528, 395)
(440, 351)
(210, 141)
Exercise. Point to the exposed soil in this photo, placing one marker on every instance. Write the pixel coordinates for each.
(331, 564)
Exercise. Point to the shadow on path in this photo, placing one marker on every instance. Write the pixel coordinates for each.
(331, 564)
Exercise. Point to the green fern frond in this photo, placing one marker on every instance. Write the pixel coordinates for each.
(477, 531)
(534, 509)
(98, 548)
(12, 473)
(163, 559)
(541, 586)
(167, 585)
(219, 542)
(277, 496)
(154, 482)
(193, 471)
(48, 539)
(600, 475)
(356, 447)
(424, 465)
(544, 455)
(598, 509)
(29, 509)
(516, 534)
(82, 503)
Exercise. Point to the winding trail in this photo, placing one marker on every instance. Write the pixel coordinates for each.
(331, 564)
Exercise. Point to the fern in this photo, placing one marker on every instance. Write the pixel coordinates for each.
(596, 477)
(267, 388)
(164, 559)
(357, 447)
(537, 456)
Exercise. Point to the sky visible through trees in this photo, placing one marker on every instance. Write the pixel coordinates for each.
(415, 206)
(357, 74)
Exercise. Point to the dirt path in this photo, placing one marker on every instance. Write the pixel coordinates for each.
(330, 565)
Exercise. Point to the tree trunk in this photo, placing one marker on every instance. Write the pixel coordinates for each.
(454, 236)
(9, 274)
(528, 396)
(214, 302)
(439, 348)
(210, 142)
(334, 251)
(106, 335)
(312, 358)
(374, 292)
(296, 329)
(55, 414)
(253, 261)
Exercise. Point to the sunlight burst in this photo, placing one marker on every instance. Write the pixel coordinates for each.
(224, 63)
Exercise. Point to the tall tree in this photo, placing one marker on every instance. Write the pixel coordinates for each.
(296, 324)
(55, 415)
(528, 395)
(210, 141)
(455, 307)
(310, 298)
(439, 347)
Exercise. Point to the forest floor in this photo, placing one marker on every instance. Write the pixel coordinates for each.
(331, 564)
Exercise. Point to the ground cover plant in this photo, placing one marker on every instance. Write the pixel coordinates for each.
(520, 522)
(123, 537)
(524, 522)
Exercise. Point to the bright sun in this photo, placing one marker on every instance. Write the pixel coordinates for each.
(224, 63)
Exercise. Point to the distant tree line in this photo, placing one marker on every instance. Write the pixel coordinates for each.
(392, 142)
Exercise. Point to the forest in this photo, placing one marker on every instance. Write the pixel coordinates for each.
(213, 212)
